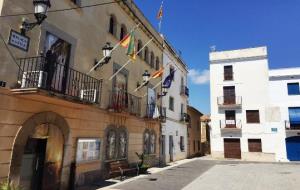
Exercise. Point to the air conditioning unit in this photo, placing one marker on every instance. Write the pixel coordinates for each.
(90, 95)
(34, 79)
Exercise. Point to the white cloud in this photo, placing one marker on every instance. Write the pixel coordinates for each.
(199, 77)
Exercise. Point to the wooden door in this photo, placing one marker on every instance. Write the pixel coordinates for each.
(229, 95)
(232, 148)
(230, 120)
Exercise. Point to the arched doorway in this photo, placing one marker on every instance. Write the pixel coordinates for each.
(38, 153)
(293, 148)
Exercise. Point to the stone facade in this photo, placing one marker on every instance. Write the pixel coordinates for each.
(86, 31)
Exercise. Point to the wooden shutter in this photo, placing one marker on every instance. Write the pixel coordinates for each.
(252, 116)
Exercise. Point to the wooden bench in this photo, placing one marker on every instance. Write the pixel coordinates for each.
(121, 168)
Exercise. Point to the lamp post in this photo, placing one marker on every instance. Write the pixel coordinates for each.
(40, 12)
(106, 51)
(164, 92)
(146, 77)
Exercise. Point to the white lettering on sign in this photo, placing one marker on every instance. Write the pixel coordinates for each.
(18, 40)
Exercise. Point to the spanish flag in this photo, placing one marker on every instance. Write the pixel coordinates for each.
(158, 73)
(160, 12)
(131, 51)
(125, 41)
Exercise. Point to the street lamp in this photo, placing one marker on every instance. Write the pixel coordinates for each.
(106, 51)
(146, 78)
(164, 92)
(40, 12)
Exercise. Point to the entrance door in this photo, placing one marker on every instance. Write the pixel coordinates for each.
(33, 164)
(171, 146)
(230, 119)
(232, 148)
(229, 95)
(293, 148)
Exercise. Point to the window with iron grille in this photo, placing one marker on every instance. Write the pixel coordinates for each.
(171, 103)
(182, 147)
(252, 116)
(228, 72)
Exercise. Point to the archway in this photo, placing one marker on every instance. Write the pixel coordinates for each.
(38, 153)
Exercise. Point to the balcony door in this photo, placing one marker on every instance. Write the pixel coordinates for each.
(229, 95)
(57, 62)
(230, 119)
(119, 92)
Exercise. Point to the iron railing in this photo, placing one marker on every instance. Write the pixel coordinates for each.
(36, 72)
(292, 125)
(184, 117)
(229, 101)
(121, 101)
(184, 90)
(230, 124)
(156, 112)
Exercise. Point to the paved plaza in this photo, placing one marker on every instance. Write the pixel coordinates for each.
(219, 175)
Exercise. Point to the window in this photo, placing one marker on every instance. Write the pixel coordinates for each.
(88, 150)
(146, 56)
(182, 143)
(252, 116)
(293, 89)
(139, 47)
(152, 60)
(228, 72)
(199, 146)
(77, 2)
(171, 103)
(123, 32)
(116, 144)
(157, 64)
(149, 142)
(194, 146)
(172, 71)
(294, 115)
(112, 25)
(254, 145)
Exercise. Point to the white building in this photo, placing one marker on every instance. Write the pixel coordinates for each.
(174, 130)
(249, 106)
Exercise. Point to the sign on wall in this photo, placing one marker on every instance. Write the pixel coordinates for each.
(88, 149)
(18, 40)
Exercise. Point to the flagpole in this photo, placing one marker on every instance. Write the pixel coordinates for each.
(115, 74)
(115, 47)
(160, 22)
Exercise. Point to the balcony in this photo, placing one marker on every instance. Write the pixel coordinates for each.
(184, 90)
(231, 127)
(292, 126)
(184, 117)
(36, 76)
(229, 102)
(123, 102)
(156, 112)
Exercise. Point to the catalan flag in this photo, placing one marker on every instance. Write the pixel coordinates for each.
(125, 41)
(160, 12)
(158, 73)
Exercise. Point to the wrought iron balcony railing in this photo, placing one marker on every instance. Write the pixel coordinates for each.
(230, 101)
(292, 125)
(184, 90)
(121, 101)
(156, 112)
(184, 117)
(36, 72)
(231, 124)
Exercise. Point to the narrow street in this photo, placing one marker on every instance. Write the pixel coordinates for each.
(206, 174)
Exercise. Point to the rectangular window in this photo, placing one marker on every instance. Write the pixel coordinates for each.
(88, 150)
(293, 89)
(228, 72)
(254, 145)
(252, 116)
(199, 146)
(77, 2)
(171, 103)
(294, 116)
(229, 95)
(181, 143)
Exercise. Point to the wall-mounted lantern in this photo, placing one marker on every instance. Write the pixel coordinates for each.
(106, 51)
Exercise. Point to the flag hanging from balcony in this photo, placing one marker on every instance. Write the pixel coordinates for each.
(168, 81)
(158, 73)
(128, 42)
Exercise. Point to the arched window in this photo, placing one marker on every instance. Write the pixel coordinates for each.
(123, 32)
(146, 56)
(139, 47)
(116, 144)
(152, 60)
(112, 25)
(157, 64)
(149, 142)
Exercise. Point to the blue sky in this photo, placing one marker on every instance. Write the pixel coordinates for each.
(192, 26)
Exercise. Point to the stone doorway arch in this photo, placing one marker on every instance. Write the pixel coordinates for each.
(28, 128)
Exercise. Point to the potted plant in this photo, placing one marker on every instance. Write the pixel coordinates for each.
(142, 166)
(9, 186)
